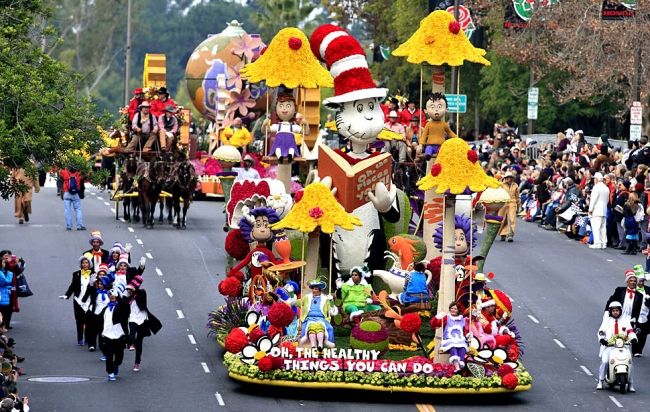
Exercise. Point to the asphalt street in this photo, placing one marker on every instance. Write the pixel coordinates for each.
(559, 289)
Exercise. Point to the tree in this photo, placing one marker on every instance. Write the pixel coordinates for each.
(273, 15)
(42, 119)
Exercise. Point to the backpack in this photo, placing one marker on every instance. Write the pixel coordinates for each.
(73, 185)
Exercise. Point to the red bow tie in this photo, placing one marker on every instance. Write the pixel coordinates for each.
(630, 292)
(97, 253)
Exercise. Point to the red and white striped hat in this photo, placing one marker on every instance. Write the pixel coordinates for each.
(346, 61)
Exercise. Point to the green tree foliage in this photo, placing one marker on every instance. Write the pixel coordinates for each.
(42, 116)
(273, 15)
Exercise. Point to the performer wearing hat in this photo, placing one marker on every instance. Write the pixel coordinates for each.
(98, 300)
(629, 297)
(98, 254)
(643, 326)
(160, 104)
(614, 324)
(145, 128)
(114, 327)
(135, 102)
(316, 311)
(141, 321)
(509, 210)
(168, 126)
(247, 172)
(356, 293)
(81, 279)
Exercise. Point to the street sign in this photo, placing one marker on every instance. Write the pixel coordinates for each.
(456, 103)
(635, 131)
(532, 111)
(636, 113)
(533, 100)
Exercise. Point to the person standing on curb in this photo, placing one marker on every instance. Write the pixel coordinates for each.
(598, 204)
(70, 195)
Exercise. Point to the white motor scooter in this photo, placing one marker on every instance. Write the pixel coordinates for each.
(619, 365)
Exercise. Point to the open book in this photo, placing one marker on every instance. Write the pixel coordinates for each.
(353, 182)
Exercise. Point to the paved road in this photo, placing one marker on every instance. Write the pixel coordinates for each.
(562, 286)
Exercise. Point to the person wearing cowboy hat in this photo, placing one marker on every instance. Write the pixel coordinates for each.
(160, 104)
(247, 171)
(509, 211)
(145, 129)
(168, 127)
(316, 311)
(135, 102)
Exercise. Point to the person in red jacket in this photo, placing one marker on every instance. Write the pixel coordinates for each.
(158, 105)
(135, 102)
(407, 114)
(71, 190)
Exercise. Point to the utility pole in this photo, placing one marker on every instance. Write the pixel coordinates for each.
(127, 59)
(531, 81)
(636, 87)
(454, 70)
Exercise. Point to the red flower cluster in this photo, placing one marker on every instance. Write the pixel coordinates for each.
(411, 323)
(472, 156)
(280, 315)
(239, 275)
(295, 43)
(265, 364)
(255, 334)
(505, 370)
(236, 340)
(236, 245)
(436, 169)
(454, 27)
(298, 196)
(273, 330)
(513, 352)
(316, 212)
(230, 287)
(290, 347)
(510, 381)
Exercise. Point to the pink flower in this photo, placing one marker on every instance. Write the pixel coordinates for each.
(245, 46)
(234, 81)
(240, 101)
(316, 212)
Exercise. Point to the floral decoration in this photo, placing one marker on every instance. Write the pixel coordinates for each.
(436, 169)
(439, 41)
(234, 81)
(457, 173)
(236, 246)
(510, 381)
(240, 101)
(472, 156)
(230, 286)
(280, 315)
(505, 370)
(317, 196)
(245, 46)
(236, 341)
(254, 352)
(265, 364)
(411, 323)
(316, 212)
(283, 64)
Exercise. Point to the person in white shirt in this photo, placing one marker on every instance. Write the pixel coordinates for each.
(613, 326)
(78, 288)
(99, 300)
(141, 322)
(115, 317)
(247, 172)
(598, 204)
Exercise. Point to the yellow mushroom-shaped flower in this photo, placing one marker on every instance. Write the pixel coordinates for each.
(457, 171)
(439, 41)
(288, 61)
(317, 208)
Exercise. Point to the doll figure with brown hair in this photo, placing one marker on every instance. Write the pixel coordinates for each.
(288, 125)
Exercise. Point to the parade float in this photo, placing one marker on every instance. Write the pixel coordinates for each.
(329, 290)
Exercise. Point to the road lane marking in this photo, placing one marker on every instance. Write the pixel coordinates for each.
(139, 241)
(560, 344)
(533, 318)
(159, 272)
(587, 371)
(205, 367)
(149, 256)
(192, 340)
(425, 407)
(113, 210)
(107, 204)
(122, 220)
(616, 402)
(169, 292)
(100, 198)
(180, 314)
(131, 229)
(610, 260)
(219, 399)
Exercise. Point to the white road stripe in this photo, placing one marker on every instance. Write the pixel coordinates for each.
(192, 340)
(107, 204)
(560, 344)
(180, 314)
(113, 210)
(122, 220)
(616, 402)
(100, 198)
(610, 260)
(131, 229)
(139, 241)
(533, 318)
(205, 367)
(169, 292)
(149, 255)
(159, 272)
(587, 371)
(219, 399)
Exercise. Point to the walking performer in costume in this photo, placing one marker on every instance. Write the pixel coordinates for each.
(613, 325)
(81, 279)
(115, 318)
(316, 311)
(141, 321)
(99, 300)
(98, 254)
(453, 335)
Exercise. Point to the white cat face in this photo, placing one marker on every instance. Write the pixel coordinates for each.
(359, 120)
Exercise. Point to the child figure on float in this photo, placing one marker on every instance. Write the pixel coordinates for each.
(359, 119)
(289, 124)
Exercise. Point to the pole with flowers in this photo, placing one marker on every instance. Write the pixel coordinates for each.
(439, 41)
(288, 62)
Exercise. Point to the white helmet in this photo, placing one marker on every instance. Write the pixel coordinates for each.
(614, 304)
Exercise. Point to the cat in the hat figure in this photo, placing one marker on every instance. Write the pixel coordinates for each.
(359, 119)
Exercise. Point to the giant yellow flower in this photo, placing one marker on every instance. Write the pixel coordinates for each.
(317, 208)
(439, 40)
(288, 61)
(457, 171)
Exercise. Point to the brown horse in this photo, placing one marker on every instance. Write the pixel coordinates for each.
(127, 185)
(183, 184)
(150, 181)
